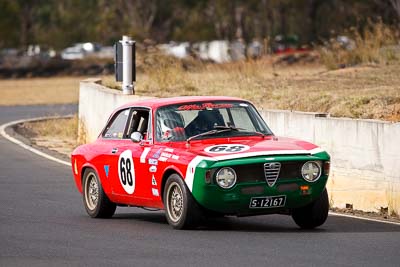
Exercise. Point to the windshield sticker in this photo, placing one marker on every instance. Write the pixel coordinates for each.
(226, 148)
(205, 106)
(243, 105)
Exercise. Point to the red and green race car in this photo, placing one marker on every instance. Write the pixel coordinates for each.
(197, 157)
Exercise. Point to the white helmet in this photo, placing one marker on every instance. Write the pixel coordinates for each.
(171, 124)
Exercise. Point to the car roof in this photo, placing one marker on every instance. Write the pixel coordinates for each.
(159, 102)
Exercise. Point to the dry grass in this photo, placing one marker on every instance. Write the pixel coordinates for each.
(56, 134)
(374, 44)
(361, 92)
(370, 92)
(35, 91)
(64, 127)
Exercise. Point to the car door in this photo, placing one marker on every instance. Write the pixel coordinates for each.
(112, 139)
(129, 176)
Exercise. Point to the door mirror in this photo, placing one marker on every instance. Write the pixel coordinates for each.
(136, 137)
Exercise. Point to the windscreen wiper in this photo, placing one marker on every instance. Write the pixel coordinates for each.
(238, 129)
(223, 127)
(211, 132)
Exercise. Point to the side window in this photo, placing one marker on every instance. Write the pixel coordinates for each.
(139, 122)
(116, 127)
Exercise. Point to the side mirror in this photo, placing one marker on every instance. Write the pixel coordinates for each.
(136, 137)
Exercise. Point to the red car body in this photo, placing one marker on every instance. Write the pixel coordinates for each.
(141, 183)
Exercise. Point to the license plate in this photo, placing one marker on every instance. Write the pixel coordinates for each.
(267, 202)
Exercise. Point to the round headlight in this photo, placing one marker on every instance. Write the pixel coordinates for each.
(311, 171)
(226, 177)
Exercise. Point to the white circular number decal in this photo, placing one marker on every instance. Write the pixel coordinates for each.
(126, 171)
(226, 148)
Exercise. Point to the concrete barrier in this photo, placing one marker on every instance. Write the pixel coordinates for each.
(365, 165)
(365, 156)
(96, 103)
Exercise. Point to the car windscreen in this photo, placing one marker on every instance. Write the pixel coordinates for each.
(208, 120)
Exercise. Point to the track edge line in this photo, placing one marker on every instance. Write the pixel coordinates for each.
(27, 147)
(362, 218)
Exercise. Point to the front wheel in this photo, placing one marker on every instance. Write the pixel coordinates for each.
(96, 202)
(181, 210)
(314, 214)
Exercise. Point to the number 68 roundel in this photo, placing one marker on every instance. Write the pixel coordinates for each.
(226, 148)
(126, 171)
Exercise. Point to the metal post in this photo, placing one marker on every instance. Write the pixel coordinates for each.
(127, 83)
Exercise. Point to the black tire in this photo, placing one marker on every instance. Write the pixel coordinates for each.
(96, 202)
(314, 214)
(181, 210)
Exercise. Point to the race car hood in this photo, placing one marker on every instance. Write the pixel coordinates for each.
(248, 147)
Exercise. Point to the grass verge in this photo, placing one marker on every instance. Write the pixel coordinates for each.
(366, 91)
(375, 44)
(37, 91)
(55, 134)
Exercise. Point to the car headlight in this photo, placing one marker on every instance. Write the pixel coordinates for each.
(311, 171)
(226, 177)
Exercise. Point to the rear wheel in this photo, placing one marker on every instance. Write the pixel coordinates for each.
(96, 202)
(181, 210)
(314, 214)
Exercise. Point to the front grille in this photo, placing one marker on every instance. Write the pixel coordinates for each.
(256, 173)
(271, 172)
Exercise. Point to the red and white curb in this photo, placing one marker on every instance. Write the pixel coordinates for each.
(42, 154)
(27, 147)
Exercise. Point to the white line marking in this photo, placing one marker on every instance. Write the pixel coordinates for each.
(191, 169)
(362, 218)
(268, 153)
(25, 146)
(144, 154)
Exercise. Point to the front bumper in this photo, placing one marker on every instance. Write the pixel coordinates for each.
(236, 200)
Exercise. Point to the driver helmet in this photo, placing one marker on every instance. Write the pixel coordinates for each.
(171, 123)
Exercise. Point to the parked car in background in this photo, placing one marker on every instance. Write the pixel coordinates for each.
(79, 50)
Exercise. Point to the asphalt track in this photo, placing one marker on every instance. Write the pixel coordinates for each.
(43, 223)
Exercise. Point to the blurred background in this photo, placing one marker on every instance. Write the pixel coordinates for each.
(58, 24)
(74, 29)
(335, 56)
